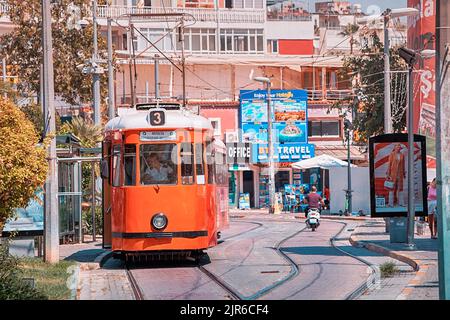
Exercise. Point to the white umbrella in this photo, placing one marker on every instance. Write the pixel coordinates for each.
(323, 161)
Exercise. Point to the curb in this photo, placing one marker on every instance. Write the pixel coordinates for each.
(418, 266)
(102, 258)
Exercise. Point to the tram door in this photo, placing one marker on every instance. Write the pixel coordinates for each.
(105, 168)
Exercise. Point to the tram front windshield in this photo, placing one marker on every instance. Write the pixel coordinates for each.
(157, 166)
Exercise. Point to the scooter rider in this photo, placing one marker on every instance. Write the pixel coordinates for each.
(314, 200)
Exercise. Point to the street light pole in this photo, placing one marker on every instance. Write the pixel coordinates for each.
(411, 213)
(51, 214)
(271, 153)
(410, 57)
(269, 141)
(95, 75)
(387, 76)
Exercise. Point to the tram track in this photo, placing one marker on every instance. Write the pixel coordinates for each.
(137, 292)
(369, 281)
(234, 293)
(278, 248)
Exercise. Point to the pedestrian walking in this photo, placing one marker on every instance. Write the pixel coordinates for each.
(432, 208)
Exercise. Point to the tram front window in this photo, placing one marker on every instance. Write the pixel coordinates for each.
(157, 166)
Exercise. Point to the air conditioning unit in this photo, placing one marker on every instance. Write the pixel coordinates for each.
(231, 136)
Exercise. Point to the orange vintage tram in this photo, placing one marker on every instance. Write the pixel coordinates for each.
(165, 183)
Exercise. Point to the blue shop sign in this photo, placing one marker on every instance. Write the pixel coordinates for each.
(287, 152)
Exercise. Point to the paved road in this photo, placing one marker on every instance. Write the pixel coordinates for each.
(247, 262)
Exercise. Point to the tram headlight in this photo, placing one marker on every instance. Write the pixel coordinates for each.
(159, 221)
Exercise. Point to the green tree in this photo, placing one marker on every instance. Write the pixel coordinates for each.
(88, 133)
(72, 47)
(23, 164)
(367, 70)
(350, 31)
(34, 113)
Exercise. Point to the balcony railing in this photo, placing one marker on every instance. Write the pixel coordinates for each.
(200, 14)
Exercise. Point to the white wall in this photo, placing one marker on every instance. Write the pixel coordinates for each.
(289, 30)
(360, 187)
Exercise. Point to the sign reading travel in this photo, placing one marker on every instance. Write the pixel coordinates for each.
(239, 153)
(288, 152)
(389, 175)
(158, 135)
(289, 108)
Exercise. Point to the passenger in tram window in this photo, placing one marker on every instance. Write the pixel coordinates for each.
(156, 172)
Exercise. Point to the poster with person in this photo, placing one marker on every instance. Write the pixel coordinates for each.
(389, 175)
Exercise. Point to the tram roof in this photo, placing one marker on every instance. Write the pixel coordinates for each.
(138, 119)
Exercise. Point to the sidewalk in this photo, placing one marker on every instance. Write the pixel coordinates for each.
(424, 259)
(95, 281)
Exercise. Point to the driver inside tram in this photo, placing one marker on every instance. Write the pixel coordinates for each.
(155, 171)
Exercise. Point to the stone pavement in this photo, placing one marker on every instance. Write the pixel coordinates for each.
(94, 280)
(424, 259)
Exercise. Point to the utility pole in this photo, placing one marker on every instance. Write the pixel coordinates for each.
(51, 214)
(442, 143)
(95, 75)
(156, 76)
(183, 61)
(5, 95)
(348, 127)
(111, 95)
(387, 76)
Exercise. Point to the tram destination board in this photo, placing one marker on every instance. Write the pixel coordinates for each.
(158, 135)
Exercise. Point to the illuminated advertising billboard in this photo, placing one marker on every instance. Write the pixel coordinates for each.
(389, 175)
(290, 123)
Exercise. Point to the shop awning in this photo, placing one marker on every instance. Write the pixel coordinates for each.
(323, 161)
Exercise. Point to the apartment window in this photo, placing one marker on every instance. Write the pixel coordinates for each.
(200, 40)
(272, 46)
(326, 128)
(216, 124)
(147, 3)
(241, 40)
(244, 4)
(158, 37)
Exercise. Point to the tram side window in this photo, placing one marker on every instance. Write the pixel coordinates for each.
(199, 163)
(221, 169)
(129, 158)
(187, 163)
(210, 162)
(157, 165)
(116, 165)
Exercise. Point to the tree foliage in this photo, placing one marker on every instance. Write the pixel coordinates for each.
(367, 70)
(71, 47)
(23, 164)
(88, 133)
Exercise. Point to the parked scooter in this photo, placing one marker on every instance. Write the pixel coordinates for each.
(313, 219)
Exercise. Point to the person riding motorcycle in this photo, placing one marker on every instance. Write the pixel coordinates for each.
(314, 200)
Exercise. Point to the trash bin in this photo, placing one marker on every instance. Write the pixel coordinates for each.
(398, 229)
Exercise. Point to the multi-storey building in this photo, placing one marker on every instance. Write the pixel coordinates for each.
(224, 40)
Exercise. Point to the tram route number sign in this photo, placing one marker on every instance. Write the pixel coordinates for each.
(157, 118)
(158, 135)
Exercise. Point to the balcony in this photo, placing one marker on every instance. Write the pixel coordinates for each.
(199, 14)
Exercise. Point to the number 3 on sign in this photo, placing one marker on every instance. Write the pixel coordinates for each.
(157, 118)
